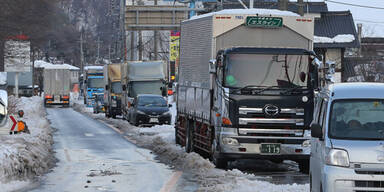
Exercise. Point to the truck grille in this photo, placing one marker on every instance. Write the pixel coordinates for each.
(288, 116)
(371, 184)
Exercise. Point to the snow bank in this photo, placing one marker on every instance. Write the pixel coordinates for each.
(342, 38)
(247, 12)
(24, 156)
(161, 140)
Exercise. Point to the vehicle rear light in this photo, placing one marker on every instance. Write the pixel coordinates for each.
(65, 97)
(242, 149)
(226, 121)
(48, 96)
(170, 92)
(298, 150)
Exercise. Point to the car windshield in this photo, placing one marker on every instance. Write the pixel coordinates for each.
(116, 87)
(95, 82)
(273, 70)
(357, 119)
(146, 87)
(149, 101)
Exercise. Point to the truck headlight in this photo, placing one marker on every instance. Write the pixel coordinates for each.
(230, 141)
(306, 143)
(337, 157)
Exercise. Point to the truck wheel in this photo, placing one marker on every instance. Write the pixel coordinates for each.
(304, 166)
(220, 163)
(114, 115)
(189, 137)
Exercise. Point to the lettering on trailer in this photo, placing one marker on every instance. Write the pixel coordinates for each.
(265, 22)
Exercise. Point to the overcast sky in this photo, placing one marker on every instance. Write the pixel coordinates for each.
(372, 19)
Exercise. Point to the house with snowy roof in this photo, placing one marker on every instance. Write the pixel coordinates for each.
(334, 33)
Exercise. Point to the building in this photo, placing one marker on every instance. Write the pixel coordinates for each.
(367, 64)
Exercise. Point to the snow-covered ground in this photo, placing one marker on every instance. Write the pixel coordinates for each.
(25, 156)
(161, 140)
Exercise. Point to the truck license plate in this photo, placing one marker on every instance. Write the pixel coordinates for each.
(153, 120)
(270, 148)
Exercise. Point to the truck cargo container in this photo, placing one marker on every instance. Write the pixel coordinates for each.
(57, 85)
(246, 86)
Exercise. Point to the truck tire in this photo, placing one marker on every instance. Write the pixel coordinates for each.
(113, 115)
(304, 166)
(189, 137)
(220, 163)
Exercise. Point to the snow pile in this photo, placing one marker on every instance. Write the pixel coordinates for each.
(24, 156)
(247, 12)
(342, 38)
(161, 140)
(46, 65)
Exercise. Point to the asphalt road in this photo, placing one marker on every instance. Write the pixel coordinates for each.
(93, 157)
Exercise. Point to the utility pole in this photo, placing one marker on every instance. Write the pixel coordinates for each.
(81, 53)
(98, 48)
(155, 37)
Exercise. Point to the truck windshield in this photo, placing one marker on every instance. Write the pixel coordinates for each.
(116, 87)
(146, 87)
(95, 83)
(148, 101)
(357, 119)
(261, 70)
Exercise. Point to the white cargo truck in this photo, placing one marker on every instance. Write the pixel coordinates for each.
(246, 86)
(57, 84)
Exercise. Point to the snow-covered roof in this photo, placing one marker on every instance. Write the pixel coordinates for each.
(342, 38)
(247, 12)
(93, 67)
(3, 78)
(46, 65)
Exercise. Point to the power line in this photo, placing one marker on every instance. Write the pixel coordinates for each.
(355, 5)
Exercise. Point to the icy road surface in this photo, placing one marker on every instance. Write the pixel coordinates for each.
(93, 157)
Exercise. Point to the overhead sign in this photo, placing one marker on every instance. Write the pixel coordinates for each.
(17, 56)
(265, 22)
(174, 45)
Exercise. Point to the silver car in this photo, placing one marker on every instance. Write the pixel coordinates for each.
(347, 145)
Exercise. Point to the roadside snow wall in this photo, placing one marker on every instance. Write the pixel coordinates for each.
(24, 156)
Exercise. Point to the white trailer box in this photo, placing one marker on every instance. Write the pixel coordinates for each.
(57, 84)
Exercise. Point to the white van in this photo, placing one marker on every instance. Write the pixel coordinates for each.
(347, 145)
(4, 127)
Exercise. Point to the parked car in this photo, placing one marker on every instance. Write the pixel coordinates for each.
(99, 103)
(147, 109)
(347, 145)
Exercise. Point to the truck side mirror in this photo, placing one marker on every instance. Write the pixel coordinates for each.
(316, 62)
(124, 87)
(169, 105)
(106, 87)
(212, 66)
(316, 131)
